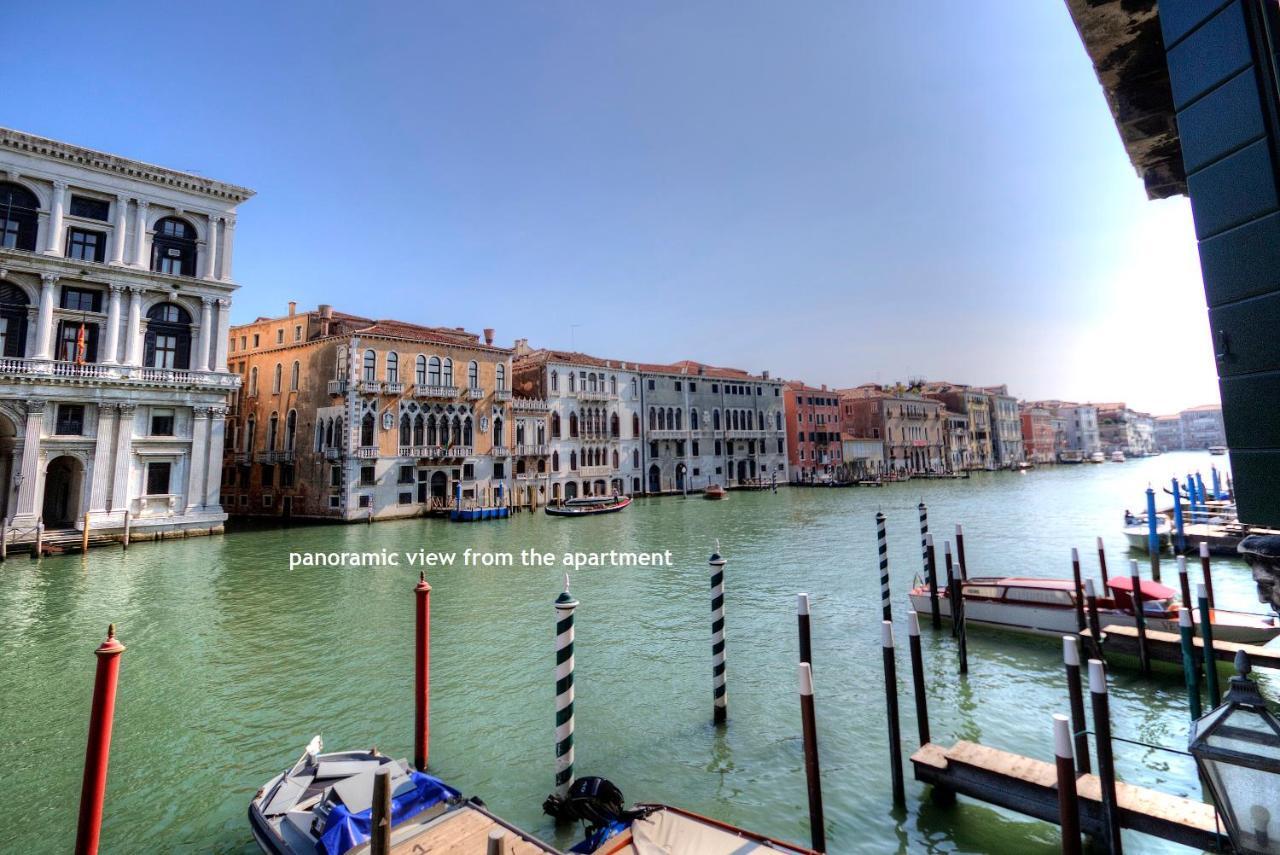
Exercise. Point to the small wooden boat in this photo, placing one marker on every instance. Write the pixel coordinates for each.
(1217, 450)
(586, 506)
(1117, 457)
(715, 491)
(323, 805)
(1048, 607)
(1137, 533)
(475, 514)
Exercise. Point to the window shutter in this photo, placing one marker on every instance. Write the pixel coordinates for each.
(182, 359)
(149, 349)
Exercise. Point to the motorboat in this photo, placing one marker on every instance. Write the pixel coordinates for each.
(586, 506)
(1048, 607)
(323, 805)
(1097, 457)
(1117, 457)
(500, 512)
(1217, 450)
(1070, 455)
(1138, 533)
(715, 491)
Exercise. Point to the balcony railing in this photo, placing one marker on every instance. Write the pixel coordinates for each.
(367, 452)
(370, 387)
(532, 450)
(475, 393)
(530, 405)
(393, 388)
(502, 394)
(744, 434)
(501, 451)
(668, 434)
(337, 387)
(596, 395)
(435, 391)
(72, 372)
(332, 453)
(436, 452)
(278, 456)
(594, 471)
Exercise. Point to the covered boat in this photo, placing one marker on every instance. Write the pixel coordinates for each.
(714, 491)
(588, 506)
(323, 805)
(1048, 607)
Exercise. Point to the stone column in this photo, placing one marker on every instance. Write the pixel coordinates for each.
(228, 240)
(44, 317)
(217, 422)
(206, 334)
(124, 459)
(118, 232)
(101, 457)
(196, 489)
(140, 255)
(53, 246)
(133, 329)
(211, 249)
(30, 462)
(111, 349)
(224, 333)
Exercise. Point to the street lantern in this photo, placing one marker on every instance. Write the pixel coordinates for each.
(1237, 750)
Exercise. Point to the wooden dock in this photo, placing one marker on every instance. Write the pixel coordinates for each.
(464, 831)
(1167, 647)
(1030, 787)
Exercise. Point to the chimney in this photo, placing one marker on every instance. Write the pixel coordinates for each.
(488, 335)
(764, 375)
(824, 385)
(521, 346)
(326, 316)
(702, 370)
(293, 307)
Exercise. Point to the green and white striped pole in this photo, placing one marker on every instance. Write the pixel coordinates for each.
(721, 699)
(565, 604)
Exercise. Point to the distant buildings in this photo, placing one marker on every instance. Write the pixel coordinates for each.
(1193, 428)
(1123, 429)
(1039, 435)
(814, 444)
(1168, 433)
(910, 426)
(976, 405)
(1006, 427)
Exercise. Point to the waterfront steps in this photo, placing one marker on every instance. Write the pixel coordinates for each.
(1029, 786)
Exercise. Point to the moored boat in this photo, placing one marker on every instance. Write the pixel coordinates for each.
(714, 491)
(474, 514)
(1138, 534)
(1117, 457)
(1217, 450)
(1097, 457)
(1048, 607)
(588, 506)
(323, 805)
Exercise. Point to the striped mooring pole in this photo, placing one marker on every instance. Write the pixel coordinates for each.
(1179, 526)
(882, 545)
(721, 699)
(924, 535)
(565, 604)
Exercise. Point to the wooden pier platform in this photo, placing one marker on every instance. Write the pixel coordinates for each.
(1030, 787)
(464, 831)
(1167, 647)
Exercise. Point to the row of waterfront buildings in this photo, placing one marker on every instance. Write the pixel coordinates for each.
(125, 392)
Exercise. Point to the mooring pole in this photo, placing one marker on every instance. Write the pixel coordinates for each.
(4, 540)
(496, 844)
(891, 704)
(812, 771)
(1208, 577)
(924, 533)
(964, 568)
(1179, 530)
(84, 536)
(951, 590)
(1139, 618)
(1075, 697)
(955, 595)
(917, 676)
(882, 547)
(1201, 492)
(1191, 498)
(101, 717)
(931, 555)
(124, 544)
(1095, 628)
(1185, 584)
(1078, 594)
(802, 623)
(380, 813)
(1186, 634)
(1217, 482)
(564, 604)
(1210, 656)
(1068, 804)
(720, 698)
(1153, 536)
(422, 673)
(39, 550)
(1106, 763)
(1102, 565)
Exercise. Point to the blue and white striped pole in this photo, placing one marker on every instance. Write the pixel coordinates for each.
(1181, 544)
(882, 546)
(565, 604)
(720, 695)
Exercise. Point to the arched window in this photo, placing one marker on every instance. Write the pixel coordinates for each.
(497, 432)
(328, 434)
(19, 217)
(433, 371)
(473, 375)
(420, 370)
(555, 425)
(662, 419)
(680, 419)
(290, 429)
(250, 433)
(366, 429)
(778, 420)
(653, 419)
(573, 424)
(419, 430)
(466, 431)
(13, 312)
(715, 419)
(615, 428)
(173, 248)
(615, 458)
(276, 377)
(448, 371)
(635, 387)
(573, 461)
(273, 429)
(751, 417)
(613, 384)
(294, 374)
(693, 419)
(500, 373)
(592, 381)
(319, 435)
(339, 433)
(432, 436)
(406, 429)
(635, 425)
(555, 381)
(555, 461)
(456, 433)
(168, 341)
(571, 381)
(393, 367)
(370, 366)
(635, 458)
(542, 464)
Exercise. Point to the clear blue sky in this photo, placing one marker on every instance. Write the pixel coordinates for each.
(840, 192)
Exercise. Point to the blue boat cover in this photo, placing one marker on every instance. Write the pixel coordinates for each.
(344, 830)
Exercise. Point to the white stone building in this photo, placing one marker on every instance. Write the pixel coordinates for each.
(115, 297)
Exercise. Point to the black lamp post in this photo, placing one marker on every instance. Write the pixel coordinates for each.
(1237, 749)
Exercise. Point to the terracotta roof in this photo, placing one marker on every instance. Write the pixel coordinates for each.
(1204, 408)
(543, 355)
(416, 332)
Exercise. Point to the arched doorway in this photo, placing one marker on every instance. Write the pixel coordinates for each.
(600, 488)
(63, 484)
(655, 479)
(439, 486)
(742, 471)
(8, 448)
(616, 486)
(555, 492)
(571, 490)
(680, 478)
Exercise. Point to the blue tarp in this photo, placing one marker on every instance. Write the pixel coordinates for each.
(344, 830)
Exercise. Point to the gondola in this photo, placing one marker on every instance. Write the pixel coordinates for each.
(589, 506)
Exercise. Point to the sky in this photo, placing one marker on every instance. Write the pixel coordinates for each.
(835, 192)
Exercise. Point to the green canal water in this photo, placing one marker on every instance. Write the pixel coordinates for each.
(235, 661)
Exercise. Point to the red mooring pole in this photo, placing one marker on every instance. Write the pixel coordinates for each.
(96, 755)
(422, 674)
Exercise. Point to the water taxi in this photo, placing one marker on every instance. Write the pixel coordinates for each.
(715, 491)
(586, 506)
(1097, 457)
(1138, 533)
(1117, 457)
(1048, 607)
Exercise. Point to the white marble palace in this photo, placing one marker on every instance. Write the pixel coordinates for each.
(115, 298)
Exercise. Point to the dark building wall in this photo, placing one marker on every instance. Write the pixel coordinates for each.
(1222, 70)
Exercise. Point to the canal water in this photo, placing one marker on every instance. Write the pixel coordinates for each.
(234, 661)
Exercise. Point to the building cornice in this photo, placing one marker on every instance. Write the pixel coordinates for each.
(21, 261)
(114, 164)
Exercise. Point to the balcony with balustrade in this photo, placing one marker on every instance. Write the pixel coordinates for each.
(743, 433)
(75, 373)
(595, 471)
(393, 388)
(369, 387)
(596, 395)
(367, 452)
(337, 387)
(501, 451)
(434, 391)
(532, 450)
(530, 405)
(275, 456)
(332, 453)
(667, 434)
(502, 394)
(475, 393)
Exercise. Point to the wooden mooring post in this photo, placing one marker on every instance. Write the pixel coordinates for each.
(422, 673)
(1139, 618)
(1079, 594)
(720, 698)
(882, 548)
(1075, 698)
(84, 536)
(380, 813)
(1208, 577)
(1095, 626)
(1102, 565)
(1210, 658)
(917, 676)
(1189, 675)
(564, 606)
(812, 769)
(124, 544)
(1068, 803)
(964, 567)
(39, 550)
(1106, 762)
(802, 627)
(101, 719)
(891, 707)
(931, 563)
